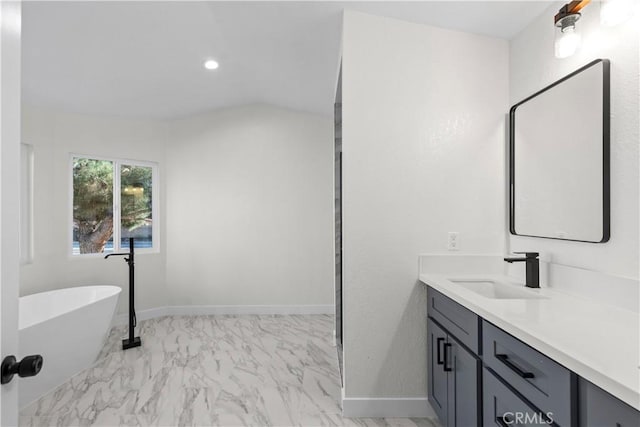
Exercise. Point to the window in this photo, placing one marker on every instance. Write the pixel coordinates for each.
(113, 200)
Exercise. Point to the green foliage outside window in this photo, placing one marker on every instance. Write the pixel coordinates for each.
(135, 196)
(93, 201)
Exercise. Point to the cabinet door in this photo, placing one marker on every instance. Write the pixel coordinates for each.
(504, 408)
(437, 377)
(540, 380)
(463, 409)
(598, 408)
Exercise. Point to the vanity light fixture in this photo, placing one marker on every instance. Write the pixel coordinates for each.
(614, 12)
(210, 64)
(567, 38)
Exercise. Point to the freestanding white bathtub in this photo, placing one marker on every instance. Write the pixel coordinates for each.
(68, 327)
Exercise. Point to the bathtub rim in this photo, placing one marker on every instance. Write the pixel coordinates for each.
(111, 291)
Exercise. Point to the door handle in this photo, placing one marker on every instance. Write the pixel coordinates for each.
(446, 357)
(515, 368)
(29, 366)
(439, 356)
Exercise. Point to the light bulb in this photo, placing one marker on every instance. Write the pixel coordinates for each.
(614, 12)
(211, 64)
(567, 42)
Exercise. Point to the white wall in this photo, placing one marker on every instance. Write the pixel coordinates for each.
(259, 180)
(54, 136)
(532, 67)
(423, 154)
(250, 208)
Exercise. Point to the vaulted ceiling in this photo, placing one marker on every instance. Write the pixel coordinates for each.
(145, 59)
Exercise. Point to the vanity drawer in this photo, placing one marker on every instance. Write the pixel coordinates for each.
(503, 408)
(599, 408)
(542, 381)
(459, 321)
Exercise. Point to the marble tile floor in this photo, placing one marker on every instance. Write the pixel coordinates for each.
(210, 370)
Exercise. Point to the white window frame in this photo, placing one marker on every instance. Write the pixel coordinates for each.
(155, 204)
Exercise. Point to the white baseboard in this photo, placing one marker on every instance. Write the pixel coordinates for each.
(199, 310)
(191, 310)
(150, 313)
(407, 407)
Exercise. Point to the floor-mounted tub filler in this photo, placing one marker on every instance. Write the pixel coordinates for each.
(132, 341)
(68, 328)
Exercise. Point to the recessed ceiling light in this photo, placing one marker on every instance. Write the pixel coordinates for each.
(211, 64)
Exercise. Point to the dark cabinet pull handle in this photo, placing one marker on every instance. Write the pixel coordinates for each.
(505, 359)
(446, 357)
(439, 356)
(501, 422)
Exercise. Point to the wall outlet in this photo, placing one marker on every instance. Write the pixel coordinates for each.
(453, 243)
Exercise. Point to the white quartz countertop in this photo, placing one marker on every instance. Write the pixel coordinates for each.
(599, 342)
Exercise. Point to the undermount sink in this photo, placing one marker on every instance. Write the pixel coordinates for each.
(496, 290)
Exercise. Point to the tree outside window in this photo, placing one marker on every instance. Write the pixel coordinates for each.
(112, 201)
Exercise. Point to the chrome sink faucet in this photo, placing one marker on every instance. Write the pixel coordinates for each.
(532, 267)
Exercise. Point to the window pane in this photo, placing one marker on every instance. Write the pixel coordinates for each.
(136, 206)
(92, 206)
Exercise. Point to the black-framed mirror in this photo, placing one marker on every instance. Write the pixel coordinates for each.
(559, 158)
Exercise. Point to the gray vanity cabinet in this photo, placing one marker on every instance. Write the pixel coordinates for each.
(438, 388)
(453, 369)
(453, 379)
(537, 378)
(503, 407)
(478, 374)
(598, 408)
(464, 387)
(458, 321)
